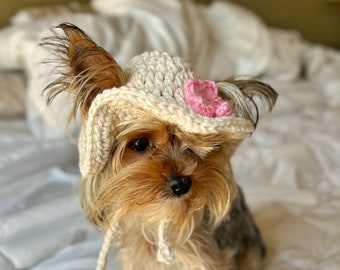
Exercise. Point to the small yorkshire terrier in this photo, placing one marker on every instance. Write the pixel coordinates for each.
(155, 149)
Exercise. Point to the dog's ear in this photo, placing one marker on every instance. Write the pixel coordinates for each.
(88, 68)
(241, 93)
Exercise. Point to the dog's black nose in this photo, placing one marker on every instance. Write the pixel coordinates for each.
(180, 184)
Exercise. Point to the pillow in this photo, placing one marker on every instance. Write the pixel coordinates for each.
(12, 95)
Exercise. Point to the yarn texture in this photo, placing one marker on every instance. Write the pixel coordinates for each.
(154, 89)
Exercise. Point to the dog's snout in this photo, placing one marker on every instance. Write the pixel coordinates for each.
(180, 184)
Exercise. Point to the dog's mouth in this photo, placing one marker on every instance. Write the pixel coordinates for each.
(153, 188)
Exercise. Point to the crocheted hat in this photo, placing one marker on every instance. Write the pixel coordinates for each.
(159, 86)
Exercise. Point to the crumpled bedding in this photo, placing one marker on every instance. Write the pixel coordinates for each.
(289, 168)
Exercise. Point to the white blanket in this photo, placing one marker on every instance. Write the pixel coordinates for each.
(289, 168)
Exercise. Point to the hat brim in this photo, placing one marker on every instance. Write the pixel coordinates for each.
(125, 103)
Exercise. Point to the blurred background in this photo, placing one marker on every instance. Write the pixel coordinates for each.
(317, 20)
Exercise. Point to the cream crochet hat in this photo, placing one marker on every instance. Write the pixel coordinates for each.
(154, 89)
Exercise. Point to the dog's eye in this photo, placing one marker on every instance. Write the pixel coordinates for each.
(140, 145)
(189, 150)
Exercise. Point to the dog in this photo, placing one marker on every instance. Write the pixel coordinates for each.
(155, 149)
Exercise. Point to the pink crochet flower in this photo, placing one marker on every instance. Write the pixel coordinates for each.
(202, 98)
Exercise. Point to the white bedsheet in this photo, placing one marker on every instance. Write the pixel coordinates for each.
(289, 168)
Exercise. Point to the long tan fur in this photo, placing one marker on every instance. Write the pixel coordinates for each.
(242, 96)
(89, 68)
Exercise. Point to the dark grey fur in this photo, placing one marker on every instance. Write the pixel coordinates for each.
(240, 232)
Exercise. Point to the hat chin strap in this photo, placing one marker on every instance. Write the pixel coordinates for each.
(104, 252)
(165, 253)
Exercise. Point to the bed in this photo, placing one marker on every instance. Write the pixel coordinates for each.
(289, 168)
